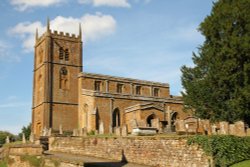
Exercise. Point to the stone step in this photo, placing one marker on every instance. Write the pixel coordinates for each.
(87, 161)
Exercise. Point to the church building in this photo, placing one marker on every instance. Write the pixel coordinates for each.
(66, 96)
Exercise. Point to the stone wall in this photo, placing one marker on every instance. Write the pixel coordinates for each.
(153, 151)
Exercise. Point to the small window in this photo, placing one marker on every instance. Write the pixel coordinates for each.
(60, 53)
(63, 71)
(66, 54)
(97, 85)
(138, 90)
(119, 88)
(156, 92)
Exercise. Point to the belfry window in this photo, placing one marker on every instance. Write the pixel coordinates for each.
(61, 53)
(66, 54)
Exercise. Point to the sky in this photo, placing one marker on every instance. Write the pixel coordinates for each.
(141, 39)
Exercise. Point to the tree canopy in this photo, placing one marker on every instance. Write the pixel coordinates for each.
(218, 86)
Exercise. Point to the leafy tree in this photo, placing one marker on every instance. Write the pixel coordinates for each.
(26, 130)
(3, 135)
(218, 86)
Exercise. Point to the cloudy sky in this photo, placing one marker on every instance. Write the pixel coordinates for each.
(144, 39)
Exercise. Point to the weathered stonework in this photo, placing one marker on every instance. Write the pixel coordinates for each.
(152, 151)
(65, 97)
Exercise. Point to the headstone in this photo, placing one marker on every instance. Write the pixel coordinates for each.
(224, 127)
(248, 132)
(207, 127)
(124, 130)
(49, 132)
(117, 131)
(75, 132)
(84, 131)
(31, 138)
(80, 132)
(232, 129)
(191, 125)
(240, 128)
(214, 129)
(180, 126)
(7, 140)
(155, 123)
(60, 129)
(101, 128)
(23, 138)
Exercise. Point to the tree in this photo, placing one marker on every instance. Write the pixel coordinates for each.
(26, 130)
(218, 86)
(3, 135)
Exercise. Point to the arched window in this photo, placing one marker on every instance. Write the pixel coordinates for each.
(149, 119)
(116, 118)
(138, 90)
(64, 82)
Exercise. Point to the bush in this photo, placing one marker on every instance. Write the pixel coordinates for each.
(3, 135)
(225, 150)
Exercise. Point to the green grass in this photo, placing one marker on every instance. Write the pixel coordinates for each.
(3, 164)
(242, 164)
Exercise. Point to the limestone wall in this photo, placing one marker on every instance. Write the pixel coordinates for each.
(153, 151)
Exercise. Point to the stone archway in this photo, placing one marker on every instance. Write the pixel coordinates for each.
(149, 119)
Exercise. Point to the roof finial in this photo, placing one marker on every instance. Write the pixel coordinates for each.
(80, 31)
(48, 24)
(36, 34)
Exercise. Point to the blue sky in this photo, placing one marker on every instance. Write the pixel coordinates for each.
(143, 39)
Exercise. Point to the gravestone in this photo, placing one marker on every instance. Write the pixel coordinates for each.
(240, 128)
(155, 123)
(224, 127)
(117, 131)
(248, 132)
(49, 132)
(60, 129)
(31, 138)
(101, 128)
(124, 130)
(23, 138)
(214, 129)
(84, 131)
(7, 140)
(191, 124)
(207, 127)
(232, 129)
(75, 132)
(180, 126)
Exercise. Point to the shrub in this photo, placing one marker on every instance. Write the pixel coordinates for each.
(225, 150)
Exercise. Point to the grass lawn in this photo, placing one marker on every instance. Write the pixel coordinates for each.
(3, 164)
(242, 164)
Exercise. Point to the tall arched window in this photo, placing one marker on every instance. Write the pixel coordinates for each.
(116, 118)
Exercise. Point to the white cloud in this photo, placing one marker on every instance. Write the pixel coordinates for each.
(112, 3)
(5, 55)
(23, 5)
(94, 27)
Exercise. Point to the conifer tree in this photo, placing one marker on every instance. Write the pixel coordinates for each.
(218, 86)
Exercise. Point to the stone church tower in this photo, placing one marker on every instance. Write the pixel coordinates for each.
(57, 63)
